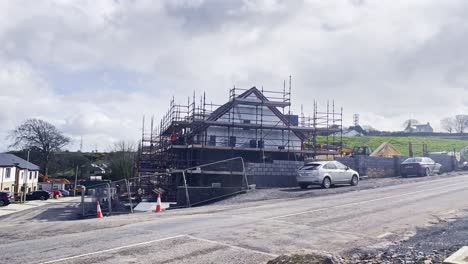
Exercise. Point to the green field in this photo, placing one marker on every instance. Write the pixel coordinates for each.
(401, 143)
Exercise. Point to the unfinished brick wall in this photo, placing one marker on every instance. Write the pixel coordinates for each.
(389, 167)
(447, 162)
(373, 166)
(280, 173)
(283, 173)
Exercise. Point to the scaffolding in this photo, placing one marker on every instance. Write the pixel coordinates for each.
(255, 124)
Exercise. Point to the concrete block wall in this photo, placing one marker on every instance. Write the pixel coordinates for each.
(280, 173)
(447, 162)
(348, 161)
(389, 167)
(372, 166)
(398, 160)
(380, 167)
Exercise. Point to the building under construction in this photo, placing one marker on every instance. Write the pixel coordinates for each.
(254, 124)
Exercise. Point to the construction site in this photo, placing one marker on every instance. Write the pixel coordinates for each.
(252, 132)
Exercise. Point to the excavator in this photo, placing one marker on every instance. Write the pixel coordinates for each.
(356, 151)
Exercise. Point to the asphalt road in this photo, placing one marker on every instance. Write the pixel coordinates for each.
(253, 232)
(51, 210)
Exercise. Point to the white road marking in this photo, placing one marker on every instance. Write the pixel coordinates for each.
(363, 202)
(112, 249)
(157, 240)
(232, 246)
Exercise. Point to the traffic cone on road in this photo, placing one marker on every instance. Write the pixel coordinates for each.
(158, 203)
(99, 212)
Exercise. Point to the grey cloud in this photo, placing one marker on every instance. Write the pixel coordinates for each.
(382, 59)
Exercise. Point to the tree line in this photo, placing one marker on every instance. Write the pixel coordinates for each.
(45, 145)
(458, 124)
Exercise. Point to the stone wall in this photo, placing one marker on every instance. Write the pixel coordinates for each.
(280, 173)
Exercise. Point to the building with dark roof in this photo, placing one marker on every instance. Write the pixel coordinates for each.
(254, 124)
(17, 174)
(425, 128)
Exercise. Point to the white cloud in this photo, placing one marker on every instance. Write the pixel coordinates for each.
(94, 68)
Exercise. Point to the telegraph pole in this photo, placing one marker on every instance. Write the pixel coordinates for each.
(26, 180)
(76, 179)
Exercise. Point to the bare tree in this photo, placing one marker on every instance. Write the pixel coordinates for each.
(461, 123)
(39, 135)
(410, 122)
(448, 124)
(122, 160)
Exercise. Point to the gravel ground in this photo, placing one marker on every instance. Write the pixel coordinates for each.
(430, 245)
(296, 192)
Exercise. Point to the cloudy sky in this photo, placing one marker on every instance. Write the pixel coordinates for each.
(94, 68)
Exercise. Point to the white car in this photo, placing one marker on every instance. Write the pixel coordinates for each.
(326, 174)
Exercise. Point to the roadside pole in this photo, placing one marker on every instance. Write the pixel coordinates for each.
(129, 195)
(76, 179)
(26, 180)
(186, 189)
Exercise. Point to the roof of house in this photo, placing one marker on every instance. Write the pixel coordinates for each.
(223, 109)
(11, 160)
(423, 126)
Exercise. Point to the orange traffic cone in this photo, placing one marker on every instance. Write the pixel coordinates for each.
(158, 203)
(99, 212)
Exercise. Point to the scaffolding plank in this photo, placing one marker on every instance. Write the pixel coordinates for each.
(267, 126)
(245, 101)
(199, 146)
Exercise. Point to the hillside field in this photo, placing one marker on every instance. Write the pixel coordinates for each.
(401, 143)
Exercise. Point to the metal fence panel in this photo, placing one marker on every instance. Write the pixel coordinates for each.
(182, 188)
(210, 182)
(99, 193)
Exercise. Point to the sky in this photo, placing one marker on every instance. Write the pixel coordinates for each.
(95, 68)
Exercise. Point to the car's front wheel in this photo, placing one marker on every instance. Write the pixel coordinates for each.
(354, 180)
(42, 198)
(2, 203)
(326, 183)
(427, 172)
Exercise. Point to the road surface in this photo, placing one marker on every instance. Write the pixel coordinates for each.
(41, 210)
(254, 232)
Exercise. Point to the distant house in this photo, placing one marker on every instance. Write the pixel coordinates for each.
(93, 169)
(17, 174)
(97, 169)
(354, 131)
(48, 186)
(426, 128)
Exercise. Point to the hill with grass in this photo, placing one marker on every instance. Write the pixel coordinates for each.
(402, 143)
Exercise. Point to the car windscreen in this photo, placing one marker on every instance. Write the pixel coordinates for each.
(413, 160)
(310, 166)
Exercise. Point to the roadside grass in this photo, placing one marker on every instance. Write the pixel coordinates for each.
(401, 143)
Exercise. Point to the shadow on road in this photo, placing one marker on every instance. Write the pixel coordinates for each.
(58, 211)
